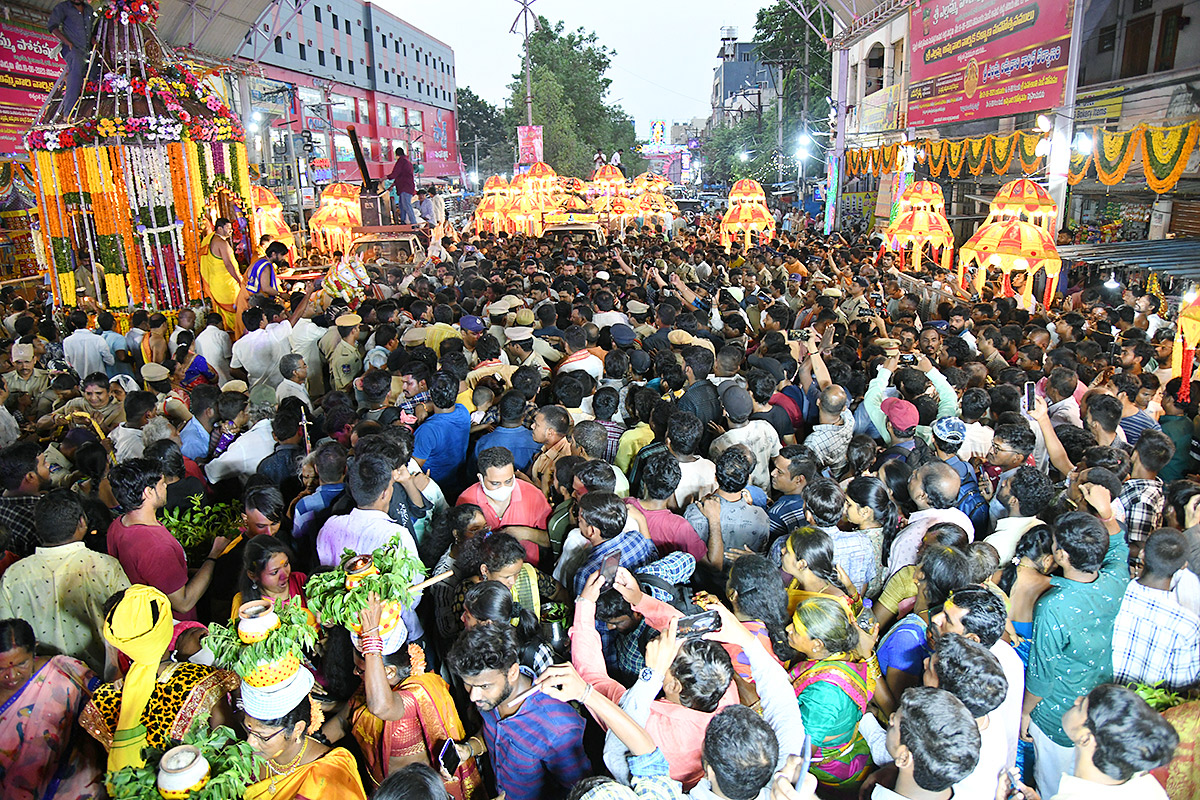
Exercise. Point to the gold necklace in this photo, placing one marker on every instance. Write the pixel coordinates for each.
(283, 772)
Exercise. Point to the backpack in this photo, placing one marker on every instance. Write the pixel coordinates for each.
(914, 452)
(972, 503)
(678, 597)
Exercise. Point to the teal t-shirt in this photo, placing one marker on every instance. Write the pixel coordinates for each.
(1072, 639)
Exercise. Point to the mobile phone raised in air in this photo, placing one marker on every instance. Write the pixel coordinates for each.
(447, 756)
(697, 625)
(1030, 395)
(608, 570)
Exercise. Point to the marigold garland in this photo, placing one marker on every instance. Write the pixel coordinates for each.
(1078, 167)
(890, 154)
(1027, 155)
(1165, 153)
(976, 155)
(955, 157)
(1114, 152)
(1003, 148)
(936, 153)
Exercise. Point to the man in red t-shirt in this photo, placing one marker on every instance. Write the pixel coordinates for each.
(147, 551)
(508, 503)
(669, 531)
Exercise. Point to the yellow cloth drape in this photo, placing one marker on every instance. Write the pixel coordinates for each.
(219, 285)
(333, 775)
(140, 626)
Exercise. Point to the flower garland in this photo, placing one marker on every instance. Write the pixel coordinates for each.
(1078, 167)
(977, 151)
(1114, 152)
(1027, 156)
(955, 157)
(936, 154)
(1165, 153)
(137, 11)
(1002, 150)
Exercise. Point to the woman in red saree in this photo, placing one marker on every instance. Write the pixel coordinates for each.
(403, 714)
(43, 753)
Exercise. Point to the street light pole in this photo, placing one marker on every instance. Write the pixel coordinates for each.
(524, 16)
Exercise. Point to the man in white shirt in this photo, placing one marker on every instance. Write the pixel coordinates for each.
(306, 340)
(242, 458)
(295, 371)
(258, 351)
(979, 614)
(86, 352)
(187, 324)
(931, 734)
(214, 346)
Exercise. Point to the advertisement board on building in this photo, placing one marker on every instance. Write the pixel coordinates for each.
(832, 179)
(29, 65)
(1099, 106)
(882, 110)
(973, 59)
(529, 144)
(658, 131)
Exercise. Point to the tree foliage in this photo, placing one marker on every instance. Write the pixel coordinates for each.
(479, 119)
(570, 100)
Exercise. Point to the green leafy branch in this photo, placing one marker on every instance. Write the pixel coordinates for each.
(233, 766)
(293, 637)
(1158, 697)
(202, 523)
(337, 605)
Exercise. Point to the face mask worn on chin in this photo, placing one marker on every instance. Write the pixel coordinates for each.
(500, 495)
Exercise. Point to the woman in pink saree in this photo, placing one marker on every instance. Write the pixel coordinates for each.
(43, 752)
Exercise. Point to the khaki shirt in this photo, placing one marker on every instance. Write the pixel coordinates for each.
(35, 384)
(108, 416)
(344, 365)
(60, 467)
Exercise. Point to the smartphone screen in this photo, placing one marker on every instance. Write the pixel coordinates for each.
(448, 756)
(698, 624)
(1030, 394)
(608, 570)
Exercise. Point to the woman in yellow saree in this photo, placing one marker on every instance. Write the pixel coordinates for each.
(277, 721)
(400, 720)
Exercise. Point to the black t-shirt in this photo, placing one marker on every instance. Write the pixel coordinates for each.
(779, 420)
(179, 493)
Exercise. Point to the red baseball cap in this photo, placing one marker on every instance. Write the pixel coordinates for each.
(901, 413)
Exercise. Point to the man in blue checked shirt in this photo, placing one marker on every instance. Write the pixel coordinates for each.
(534, 742)
(602, 518)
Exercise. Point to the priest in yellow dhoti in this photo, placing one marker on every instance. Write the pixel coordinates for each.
(220, 275)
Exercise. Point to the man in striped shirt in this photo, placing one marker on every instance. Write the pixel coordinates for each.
(535, 744)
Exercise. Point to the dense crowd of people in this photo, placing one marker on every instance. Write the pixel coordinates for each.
(780, 522)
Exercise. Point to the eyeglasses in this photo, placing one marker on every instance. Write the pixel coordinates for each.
(996, 449)
(256, 734)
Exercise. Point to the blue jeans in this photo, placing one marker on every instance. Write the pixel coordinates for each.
(76, 59)
(407, 215)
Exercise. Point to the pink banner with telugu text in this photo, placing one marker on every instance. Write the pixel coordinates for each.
(973, 59)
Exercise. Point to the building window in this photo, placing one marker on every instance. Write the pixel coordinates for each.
(350, 64)
(367, 36)
(1142, 5)
(383, 39)
(1106, 42)
(370, 73)
(338, 63)
(321, 57)
(404, 49)
(420, 87)
(427, 59)
(278, 44)
(396, 116)
(303, 55)
(347, 27)
(387, 76)
(334, 19)
(316, 13)
(397, 43)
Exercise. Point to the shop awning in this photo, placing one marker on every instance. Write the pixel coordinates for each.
(1179, 258)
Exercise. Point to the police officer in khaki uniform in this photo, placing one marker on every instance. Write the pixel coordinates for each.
(345, 363)
(27, 378)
